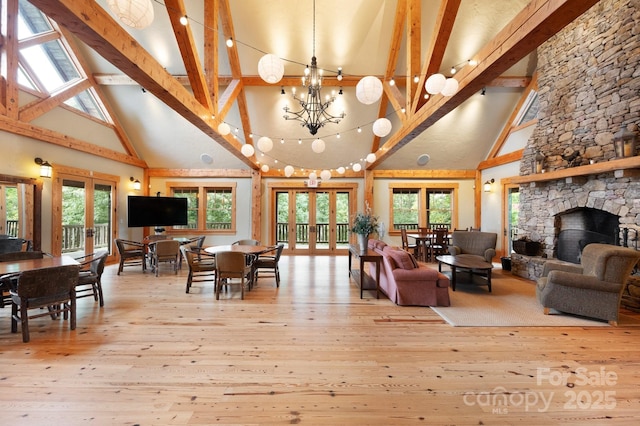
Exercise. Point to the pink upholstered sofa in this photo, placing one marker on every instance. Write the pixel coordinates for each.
(407, 282)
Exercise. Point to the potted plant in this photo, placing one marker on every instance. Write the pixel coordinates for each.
(363, 225)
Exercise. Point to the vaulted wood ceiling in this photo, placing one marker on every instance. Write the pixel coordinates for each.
(189, 76)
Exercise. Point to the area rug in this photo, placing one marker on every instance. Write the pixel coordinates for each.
(512, 303)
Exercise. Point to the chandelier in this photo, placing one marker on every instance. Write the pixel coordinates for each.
(313, 113)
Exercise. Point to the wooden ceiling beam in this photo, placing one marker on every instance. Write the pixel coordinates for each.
(40, 107)
(414, 33)
(211, 53)
(188, 51)
(95, 27)
(535, 24)
(66, 141)
(9, 27)
(439, 40)
(226, 21)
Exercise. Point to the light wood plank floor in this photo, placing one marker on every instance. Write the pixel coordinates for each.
(311, 352)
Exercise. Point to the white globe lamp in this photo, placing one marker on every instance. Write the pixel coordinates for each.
(265, 144)
(450, 87)
(369, 90)
(318, 146)
(224, 129)
(133, 13)
(288, 171)
(357, 167)
(381, 127)
(435, 84)
(371, 157)
(264, 168)
(325, 175)
(341, 170)
(270, 68)
(247, 150)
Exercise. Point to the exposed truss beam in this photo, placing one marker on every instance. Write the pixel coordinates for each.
(186, 44)
(94, 26)
(535, 24)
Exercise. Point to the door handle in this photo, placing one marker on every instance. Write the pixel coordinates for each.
(89, 232)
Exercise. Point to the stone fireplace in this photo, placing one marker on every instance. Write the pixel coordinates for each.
(588, 88)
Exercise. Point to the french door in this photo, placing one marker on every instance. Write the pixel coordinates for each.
(85, 219)
(312, 221)
(512, 204)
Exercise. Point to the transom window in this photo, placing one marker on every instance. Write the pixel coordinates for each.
(211, 208)
(416, 206)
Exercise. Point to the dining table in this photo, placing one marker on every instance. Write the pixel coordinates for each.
(424, 240)
(16, 266)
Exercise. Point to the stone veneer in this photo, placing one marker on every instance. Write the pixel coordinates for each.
(589, 87)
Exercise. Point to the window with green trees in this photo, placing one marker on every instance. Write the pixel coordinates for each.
(216, 211)
(418, 205)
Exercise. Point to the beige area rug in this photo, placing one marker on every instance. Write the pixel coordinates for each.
(512, 303)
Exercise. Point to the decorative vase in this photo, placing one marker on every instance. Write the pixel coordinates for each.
(363, 241)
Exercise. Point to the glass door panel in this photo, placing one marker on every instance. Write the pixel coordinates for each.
(102, 217)
(513, 211)
(320, 226)
(342, 220)
(301, 215)
(282, 234)
(74, 213)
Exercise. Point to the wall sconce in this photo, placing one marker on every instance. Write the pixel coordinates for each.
(45, 167)
(538, 163)
(136, 183)
(624, 143)
(487, 185)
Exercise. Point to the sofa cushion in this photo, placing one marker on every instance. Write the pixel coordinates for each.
(402, 259)
(413, 260)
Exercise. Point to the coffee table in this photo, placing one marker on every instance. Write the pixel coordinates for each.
(474, 265)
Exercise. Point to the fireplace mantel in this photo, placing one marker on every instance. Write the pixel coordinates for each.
(621, 166)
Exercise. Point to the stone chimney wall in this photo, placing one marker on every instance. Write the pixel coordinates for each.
(589, 87)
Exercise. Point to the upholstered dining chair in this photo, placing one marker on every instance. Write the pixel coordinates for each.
(51, 288)
(269, 262)
(232, 265)
(90, 277)
(202, 265)
(132, 253)
(593, 288)
(165, 251)
(9, 281)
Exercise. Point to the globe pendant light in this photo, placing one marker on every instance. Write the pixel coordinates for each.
(369, 90)
(381, 127)
(133, 13)
(270, 68)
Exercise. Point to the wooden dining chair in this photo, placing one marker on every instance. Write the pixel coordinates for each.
(232, 265)
(202, 265)
(269, 262)
(132, 253)
(439, 243)
(411, 248)
(9, 281)
(90, 277)
(52, 288)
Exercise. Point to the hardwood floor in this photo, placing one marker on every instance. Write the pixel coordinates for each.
(309, 352)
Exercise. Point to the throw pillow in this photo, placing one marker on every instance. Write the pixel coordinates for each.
(413, 260)
(402, 259)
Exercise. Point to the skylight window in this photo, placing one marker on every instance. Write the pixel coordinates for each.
(48, 66)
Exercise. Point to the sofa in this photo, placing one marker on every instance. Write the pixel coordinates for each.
(593, 288)
(474, 244)
(407, 282)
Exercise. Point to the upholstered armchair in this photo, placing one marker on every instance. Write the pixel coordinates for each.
(593, 288)
(476, 243)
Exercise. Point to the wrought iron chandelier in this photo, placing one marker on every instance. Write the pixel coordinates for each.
(313, 114)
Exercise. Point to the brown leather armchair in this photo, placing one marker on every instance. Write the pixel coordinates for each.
(593, 288)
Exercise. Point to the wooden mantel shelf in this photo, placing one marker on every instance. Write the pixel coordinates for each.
(621, 164)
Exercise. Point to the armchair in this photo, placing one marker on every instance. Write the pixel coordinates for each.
(476, 243)
(591, 289)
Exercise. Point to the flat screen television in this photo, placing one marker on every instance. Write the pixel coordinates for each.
(156, 211)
